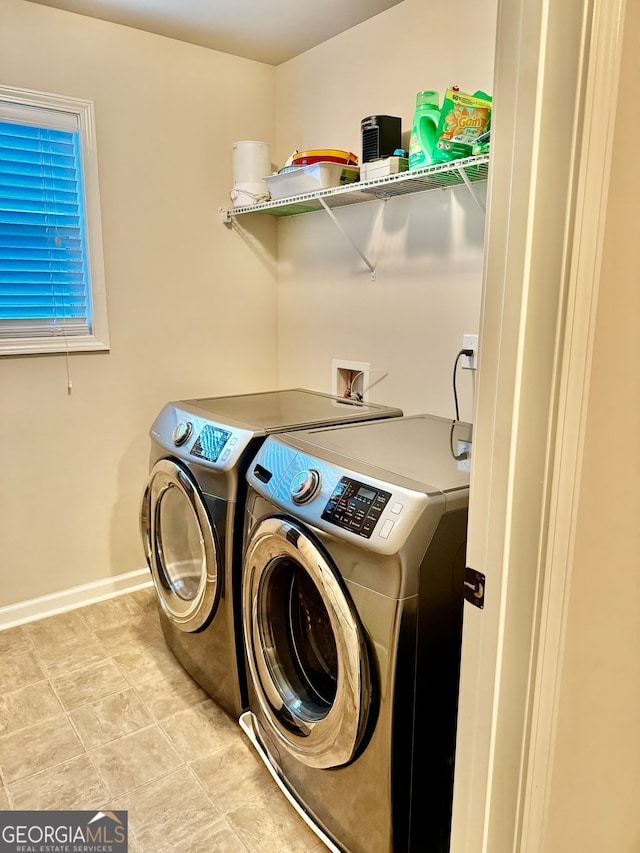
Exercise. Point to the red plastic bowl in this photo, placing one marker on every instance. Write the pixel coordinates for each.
(325, 155)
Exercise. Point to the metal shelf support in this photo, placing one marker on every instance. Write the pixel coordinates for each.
(470, 187)
(340, 227)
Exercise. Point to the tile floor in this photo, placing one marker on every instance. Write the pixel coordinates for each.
(96, 713)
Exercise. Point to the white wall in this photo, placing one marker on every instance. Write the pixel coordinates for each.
(428, 249)
(191, 306)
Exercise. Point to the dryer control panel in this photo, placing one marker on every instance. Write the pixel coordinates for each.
(210, 443)
(189, 436)
(356, 506)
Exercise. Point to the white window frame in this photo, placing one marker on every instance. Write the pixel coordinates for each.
(42, 109)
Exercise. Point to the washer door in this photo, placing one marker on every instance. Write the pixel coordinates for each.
(305, 646)
(181, 546)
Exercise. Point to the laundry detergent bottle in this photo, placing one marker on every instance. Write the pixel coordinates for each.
(425, 127)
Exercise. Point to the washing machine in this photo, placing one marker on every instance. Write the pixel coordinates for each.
(192, 515)
(352, 602)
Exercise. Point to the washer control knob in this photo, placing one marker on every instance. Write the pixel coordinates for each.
(305, 486)
(182, 432)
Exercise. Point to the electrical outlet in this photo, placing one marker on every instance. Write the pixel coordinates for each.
(469, 361)
(350, 378)
(463, 455)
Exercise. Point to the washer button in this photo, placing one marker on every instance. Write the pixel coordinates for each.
(397, 508)
(386, 528)
(305, 486)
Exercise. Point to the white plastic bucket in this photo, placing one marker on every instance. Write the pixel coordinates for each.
(251, 163)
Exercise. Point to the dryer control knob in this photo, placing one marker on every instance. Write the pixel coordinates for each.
(305, 486)
(182, 432)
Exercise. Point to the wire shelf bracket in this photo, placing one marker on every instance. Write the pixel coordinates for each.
(340, 227)
(474, 195)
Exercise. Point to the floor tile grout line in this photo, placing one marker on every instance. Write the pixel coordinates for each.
(21, 728)
(116, 797)
(50, 678)
(158, 717)
(4, 787)
(88, 752)
(97, 605)
(15, 660)
(78, 673)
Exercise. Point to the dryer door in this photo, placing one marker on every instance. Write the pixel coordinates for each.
(305, 645)
(181, 546)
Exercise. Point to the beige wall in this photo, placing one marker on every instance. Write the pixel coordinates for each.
(191, 305)
(428, 250)
(596, 770)
(73, 466)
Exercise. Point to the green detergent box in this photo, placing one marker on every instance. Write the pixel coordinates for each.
(463, 118)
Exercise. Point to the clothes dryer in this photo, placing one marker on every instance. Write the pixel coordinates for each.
(352, 598)
(192, 514)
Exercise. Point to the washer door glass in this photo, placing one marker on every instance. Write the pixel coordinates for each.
(296, 632)
(305, 646)
(181, 546)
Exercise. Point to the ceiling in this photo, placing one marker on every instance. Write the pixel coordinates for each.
(270, 31)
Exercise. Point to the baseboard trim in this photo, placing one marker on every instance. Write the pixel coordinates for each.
(70, 599)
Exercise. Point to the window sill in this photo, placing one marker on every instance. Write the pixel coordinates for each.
(55, 344)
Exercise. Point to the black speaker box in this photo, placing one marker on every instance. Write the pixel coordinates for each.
(381, 135)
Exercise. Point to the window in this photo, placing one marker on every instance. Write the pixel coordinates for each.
(52, 295)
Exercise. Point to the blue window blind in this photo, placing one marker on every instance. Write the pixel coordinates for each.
(44, 278)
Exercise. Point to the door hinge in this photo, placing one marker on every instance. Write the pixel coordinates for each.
(474, 585)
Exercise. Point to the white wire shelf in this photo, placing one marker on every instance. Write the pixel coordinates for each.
(468, 171)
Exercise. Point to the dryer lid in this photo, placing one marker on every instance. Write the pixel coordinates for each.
(293, 408)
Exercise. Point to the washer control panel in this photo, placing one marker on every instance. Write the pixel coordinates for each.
(356, 506)
(350, 504)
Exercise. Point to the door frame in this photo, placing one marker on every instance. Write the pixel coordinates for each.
(556, 75)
